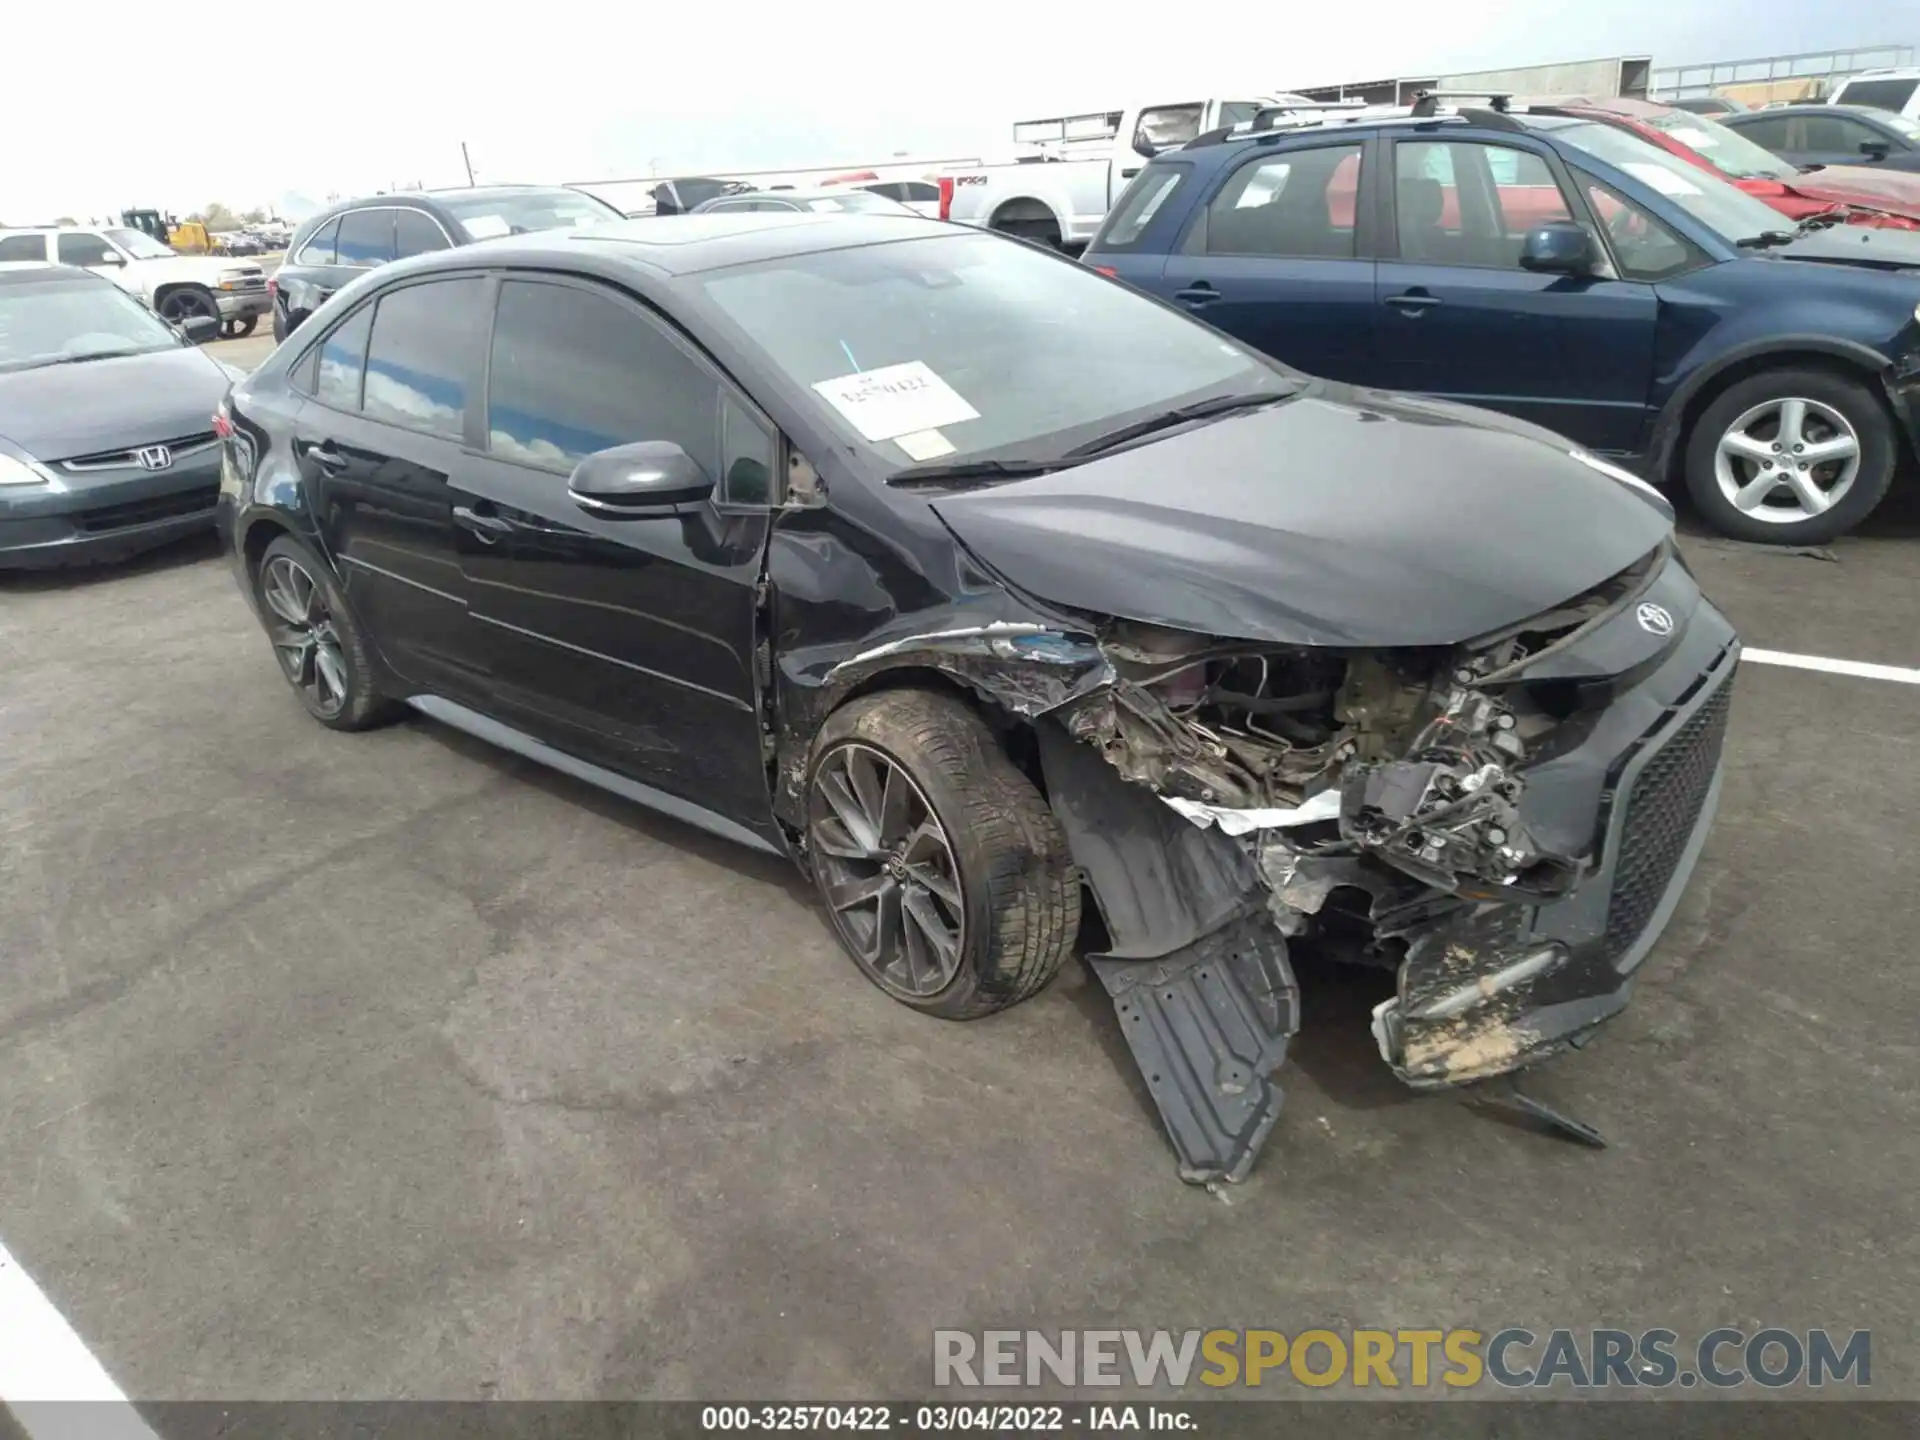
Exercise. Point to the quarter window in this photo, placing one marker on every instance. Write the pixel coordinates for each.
(415, 233)
(748, 452)
(23, 247)
(425, 343)
(1464, 203)
(574, 371)
(366, 238)
(83, 250)
(1300, 203)
(343, 362)
(319, 249)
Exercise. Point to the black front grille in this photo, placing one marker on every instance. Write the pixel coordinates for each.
(182, 447)
(1662, 810)
(145, 512)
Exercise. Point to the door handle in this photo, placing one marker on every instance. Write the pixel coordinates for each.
(482, 521)
(326, 457)
(1413, 303)
(1197, 294)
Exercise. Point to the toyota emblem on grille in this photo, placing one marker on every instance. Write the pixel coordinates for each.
(159, 457)
(1655, 619)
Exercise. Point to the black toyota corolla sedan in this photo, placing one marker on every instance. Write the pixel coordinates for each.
(1024, 612)
(106, 420)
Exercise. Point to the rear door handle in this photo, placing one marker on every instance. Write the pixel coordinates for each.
(326, 457)
(1413, 302)
(482, 521)
(1200, 293)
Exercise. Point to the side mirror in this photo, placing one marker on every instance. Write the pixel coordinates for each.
(111, 257)
(633, 479)
(199, 329)
(1559, 248)
(1875, 149)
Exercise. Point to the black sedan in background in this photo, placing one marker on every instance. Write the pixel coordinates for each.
(339, 244)
(1832, 135)
(107, 443)
(1001, 598)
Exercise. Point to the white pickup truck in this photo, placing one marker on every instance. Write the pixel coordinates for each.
(1059, 194)
(231, 291)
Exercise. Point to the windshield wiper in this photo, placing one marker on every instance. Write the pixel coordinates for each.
(955, 474)
(1766, 239)
(90, 355)
(1167, 420)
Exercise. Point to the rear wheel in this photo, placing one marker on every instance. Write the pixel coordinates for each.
(943, 871)
(1791, 457)
(316, 640)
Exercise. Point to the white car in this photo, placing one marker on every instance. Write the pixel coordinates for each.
(175, 286)
(1895, 90)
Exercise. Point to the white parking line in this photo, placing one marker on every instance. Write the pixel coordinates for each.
(1860, 668)
(45, 1368)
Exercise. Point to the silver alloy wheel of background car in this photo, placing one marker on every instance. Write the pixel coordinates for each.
(304, 638)
(1787, 460)
(891, 881)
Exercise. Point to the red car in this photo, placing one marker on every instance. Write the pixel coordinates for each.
(1863, 195)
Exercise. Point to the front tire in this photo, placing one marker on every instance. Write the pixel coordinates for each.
(1791, 457)
(186, 301)
(943, 871)
(317, 642)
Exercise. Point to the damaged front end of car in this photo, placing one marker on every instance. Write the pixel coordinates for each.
(1505, 823)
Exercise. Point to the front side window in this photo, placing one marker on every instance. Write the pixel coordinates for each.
(139, 244)
(1837, 134)
(1300, 203)
(575, 371)
(1139, 203)
(67, 318)
(1645, 249)
(964, 345)
(83, 249)
(343, 362)
(366, 238)
(415, 233)
(23, 247)
(1468, 203)
(319, 249)
(425, 344)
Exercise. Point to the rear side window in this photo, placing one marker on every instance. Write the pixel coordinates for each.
(425, 346)
(573, 371)
(319, 249)
(366, 238)
(23, 247)
(1879, 94)
(1301, 203)
(1138, 204)
(343, 362)
(416, 234)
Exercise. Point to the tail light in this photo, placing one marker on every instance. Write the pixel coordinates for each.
(273, 286)
(223, 421)
(946, 197)
(1108, 271)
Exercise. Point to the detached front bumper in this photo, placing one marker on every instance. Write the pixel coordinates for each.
(1498, 987)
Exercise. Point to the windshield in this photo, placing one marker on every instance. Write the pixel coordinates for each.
(52, 321)
(486, 216)
(1731, 152)
(859, 201)
(139, 244)
(1725, 209)
(971, 345)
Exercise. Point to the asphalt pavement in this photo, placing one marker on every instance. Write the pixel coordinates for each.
(393, 1065)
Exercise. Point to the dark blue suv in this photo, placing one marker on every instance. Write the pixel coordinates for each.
(1562, 271)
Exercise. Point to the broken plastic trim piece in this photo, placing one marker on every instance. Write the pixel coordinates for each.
(1315, 808)
(1208, 1025)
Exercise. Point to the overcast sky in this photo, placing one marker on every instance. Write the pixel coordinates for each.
(112, 110)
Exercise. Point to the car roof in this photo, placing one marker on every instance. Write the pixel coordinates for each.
(675, 245)
(1363, 124)
(26, 271)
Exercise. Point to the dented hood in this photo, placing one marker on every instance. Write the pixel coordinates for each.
(1340, 517)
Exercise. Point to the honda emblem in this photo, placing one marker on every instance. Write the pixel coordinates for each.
(154, 457)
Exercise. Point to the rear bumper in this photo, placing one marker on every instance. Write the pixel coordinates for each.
(1496, 988)
(108, 514)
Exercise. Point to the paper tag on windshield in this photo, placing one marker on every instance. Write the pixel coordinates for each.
(896, 400)
(924, 445)
(1659, 178)
(485, 227)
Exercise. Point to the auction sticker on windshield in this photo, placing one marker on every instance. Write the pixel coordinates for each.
(1659, 177)
(896, 400)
